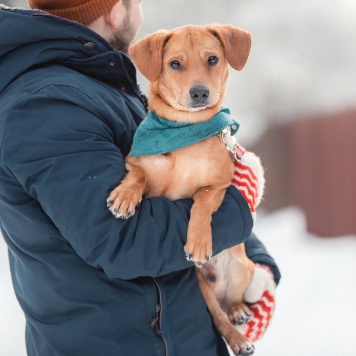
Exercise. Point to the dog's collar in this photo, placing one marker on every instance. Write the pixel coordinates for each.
(157, 135)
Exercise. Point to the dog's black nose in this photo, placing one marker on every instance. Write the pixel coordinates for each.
(199, 94)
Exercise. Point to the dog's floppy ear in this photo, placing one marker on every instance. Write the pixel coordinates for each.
(147, 54)
(236, 43)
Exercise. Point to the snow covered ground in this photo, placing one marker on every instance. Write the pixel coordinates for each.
(316, 300)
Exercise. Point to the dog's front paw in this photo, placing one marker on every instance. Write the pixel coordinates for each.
(123, 200)
(239, 314)
(199, 247)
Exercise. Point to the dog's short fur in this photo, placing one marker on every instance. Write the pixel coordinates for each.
(188, 70)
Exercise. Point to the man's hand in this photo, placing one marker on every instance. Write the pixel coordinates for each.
(260, 295)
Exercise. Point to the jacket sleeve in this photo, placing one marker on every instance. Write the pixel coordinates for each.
(258, 253)
(68, 158)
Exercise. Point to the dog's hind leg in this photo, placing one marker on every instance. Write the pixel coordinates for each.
(238, 343)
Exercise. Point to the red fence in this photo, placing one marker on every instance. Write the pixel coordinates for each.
(311, 163)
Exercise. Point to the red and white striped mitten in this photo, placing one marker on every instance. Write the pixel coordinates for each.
(260, 298)
(260, 295)
(249, 177)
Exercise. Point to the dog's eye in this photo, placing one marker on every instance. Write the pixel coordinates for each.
(175, 65)
(212, 60)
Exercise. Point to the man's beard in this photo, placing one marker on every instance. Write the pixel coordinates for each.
(123, 36)
(119, 43)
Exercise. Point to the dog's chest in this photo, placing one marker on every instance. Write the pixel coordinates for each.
(183, 172)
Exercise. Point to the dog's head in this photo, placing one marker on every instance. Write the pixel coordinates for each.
(188, 66)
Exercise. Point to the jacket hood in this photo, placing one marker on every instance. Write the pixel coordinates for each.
(34, 38)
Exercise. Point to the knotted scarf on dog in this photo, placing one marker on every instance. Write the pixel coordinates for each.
(157, 135)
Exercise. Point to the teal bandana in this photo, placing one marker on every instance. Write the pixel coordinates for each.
(156, 135)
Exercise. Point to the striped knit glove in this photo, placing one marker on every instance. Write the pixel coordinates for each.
(260, 298)
(260, 295)
(249, 177)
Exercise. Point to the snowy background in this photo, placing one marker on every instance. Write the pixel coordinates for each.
(303, 61)
(315, 310)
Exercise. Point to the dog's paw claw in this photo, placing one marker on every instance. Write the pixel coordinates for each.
(114, 211)
(199, 251)
(249, 350)
(188, 256)
(239, 314)
(123, 202)
(123, 216)
(199, 264)
(240, 321)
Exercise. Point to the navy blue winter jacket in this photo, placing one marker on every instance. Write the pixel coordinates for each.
(87, 283)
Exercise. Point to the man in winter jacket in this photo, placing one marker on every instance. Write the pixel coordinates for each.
(90, 284)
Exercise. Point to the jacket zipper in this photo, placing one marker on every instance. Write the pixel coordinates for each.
(157, 320)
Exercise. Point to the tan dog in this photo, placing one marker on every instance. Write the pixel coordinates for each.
(188, 71)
